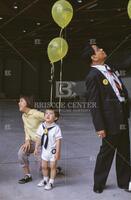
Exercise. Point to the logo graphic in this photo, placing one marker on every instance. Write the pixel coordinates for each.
(64, 89)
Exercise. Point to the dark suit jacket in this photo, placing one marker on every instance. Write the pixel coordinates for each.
(109, 114)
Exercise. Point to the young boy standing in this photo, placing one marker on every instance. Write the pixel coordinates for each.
(49, 136)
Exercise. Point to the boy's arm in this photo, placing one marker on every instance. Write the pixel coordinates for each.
(27, 137)
(58, 149)
(37, 144)
(26, 146)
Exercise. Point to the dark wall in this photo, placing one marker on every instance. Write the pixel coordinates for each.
(33, 77)
(18, 77)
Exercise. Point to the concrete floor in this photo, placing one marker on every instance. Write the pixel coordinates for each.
(79, 149)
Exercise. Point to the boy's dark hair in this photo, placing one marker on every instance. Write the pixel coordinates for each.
(88, 51)
(29, 100)
(56, 112)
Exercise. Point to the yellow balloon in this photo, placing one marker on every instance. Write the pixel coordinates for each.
(62, 13)
(57, 49)
(129, 9)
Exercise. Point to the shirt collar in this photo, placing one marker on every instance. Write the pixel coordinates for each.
(49, 126)
(31, 111)
(101, 67)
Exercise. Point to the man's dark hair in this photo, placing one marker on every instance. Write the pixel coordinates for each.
(56, 112)
(88, 51)
(29, 100)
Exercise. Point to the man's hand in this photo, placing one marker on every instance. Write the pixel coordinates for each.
(101, 133)
(26, 146)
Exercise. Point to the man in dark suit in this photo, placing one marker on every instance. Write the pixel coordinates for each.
(110, 118)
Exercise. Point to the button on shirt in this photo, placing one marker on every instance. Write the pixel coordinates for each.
(31, 121)
(110, 78)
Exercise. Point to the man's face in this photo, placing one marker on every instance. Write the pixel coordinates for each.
(22, 105)
(99, 55)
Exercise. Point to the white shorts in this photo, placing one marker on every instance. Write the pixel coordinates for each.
(48, 155)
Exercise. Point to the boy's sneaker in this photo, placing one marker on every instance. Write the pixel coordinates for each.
(48, 186)
(26, 179)
(42, 183)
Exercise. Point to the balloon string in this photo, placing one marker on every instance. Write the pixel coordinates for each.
(61, 66)
(61, 74)
(52, 78)
(61, 32)
(60, 98)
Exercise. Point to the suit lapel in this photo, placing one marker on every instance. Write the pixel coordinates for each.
(103, 78)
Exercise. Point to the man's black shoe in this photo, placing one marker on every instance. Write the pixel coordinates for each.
(123, 186)
(26, 179)
(127, 190)
(98, 190)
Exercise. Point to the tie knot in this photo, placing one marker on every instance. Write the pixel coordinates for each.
(45, 131)
(109, 69)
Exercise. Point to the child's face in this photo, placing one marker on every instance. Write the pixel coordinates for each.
(22, 105)
(50, 116)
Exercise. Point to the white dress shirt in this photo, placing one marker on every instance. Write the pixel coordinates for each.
(110, 78)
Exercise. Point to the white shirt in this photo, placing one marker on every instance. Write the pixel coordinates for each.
(110, 78)
(54, 134)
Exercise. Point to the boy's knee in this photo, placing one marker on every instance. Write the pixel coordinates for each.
(53, 166)
(22, 157)
(20, 153)
(44, 167)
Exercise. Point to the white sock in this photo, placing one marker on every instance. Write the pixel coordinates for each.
(51, 180)
(46, 178)
(28, 175)
(129, 186)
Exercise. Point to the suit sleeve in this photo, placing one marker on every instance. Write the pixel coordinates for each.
(94, 97)
(127, 103)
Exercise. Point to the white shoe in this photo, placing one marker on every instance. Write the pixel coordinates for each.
(42, 183)
(48, 186)
(129, 186)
